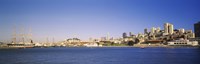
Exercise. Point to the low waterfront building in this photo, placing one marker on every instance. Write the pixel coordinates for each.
(91, 44)
(128, 39)
(116, 41)
(183, 42)
(38, 44)
(195, 39)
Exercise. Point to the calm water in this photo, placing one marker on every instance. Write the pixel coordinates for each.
(100, 56)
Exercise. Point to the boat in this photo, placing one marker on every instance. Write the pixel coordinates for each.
(183, 42)
(17, 45)
(24, 42)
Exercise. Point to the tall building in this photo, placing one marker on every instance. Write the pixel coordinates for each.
(108, 36)
(130, 34)
(166, 25)
(171, 29)
(124, 35)
(197, 29)
(145, 31)
(153, 30)
(168, 28)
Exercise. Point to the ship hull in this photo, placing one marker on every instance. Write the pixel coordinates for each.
(20, 45)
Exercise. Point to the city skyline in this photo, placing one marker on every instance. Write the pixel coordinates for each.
(85, 19)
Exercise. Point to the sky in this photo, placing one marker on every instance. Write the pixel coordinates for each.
(62, 19)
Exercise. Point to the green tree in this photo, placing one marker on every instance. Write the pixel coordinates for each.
(130, 43)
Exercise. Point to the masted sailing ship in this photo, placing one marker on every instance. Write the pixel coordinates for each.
(25, 40)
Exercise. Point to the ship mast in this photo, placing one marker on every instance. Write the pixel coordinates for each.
(30, 36)
(14, 38)
(47, 40)
(22, 36)
(53, 39)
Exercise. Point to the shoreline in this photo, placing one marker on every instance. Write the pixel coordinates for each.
(135, 46)
(151, 46)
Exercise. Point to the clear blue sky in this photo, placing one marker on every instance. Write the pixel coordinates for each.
(63, 19)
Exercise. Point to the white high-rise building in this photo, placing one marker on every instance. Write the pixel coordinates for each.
(153, 30)
(166, 25)
(108, 36)
(171, 29)
(168, 28)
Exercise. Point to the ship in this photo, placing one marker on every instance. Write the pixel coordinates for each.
(21, 45)
(25, 41)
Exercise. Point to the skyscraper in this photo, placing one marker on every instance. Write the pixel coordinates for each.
(197, 29)
(130, 34)
(145, 31)
(108, 36)
(168, 28)
(124, 35)
(171, 29)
